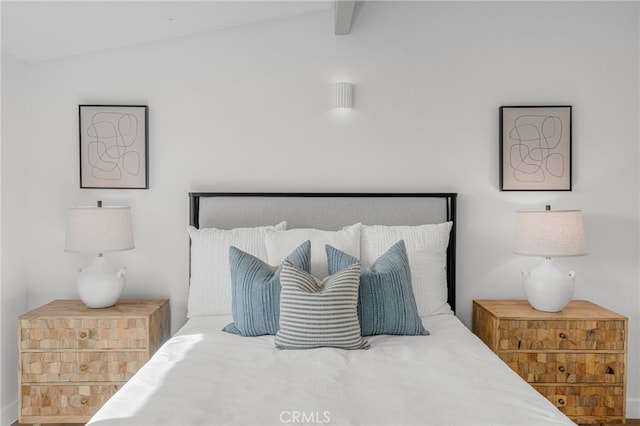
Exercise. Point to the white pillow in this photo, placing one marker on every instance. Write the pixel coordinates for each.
(280, 243)
(427, 251)
(210, 287)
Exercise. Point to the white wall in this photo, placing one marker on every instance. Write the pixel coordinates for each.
(248, 109)
(13, 226)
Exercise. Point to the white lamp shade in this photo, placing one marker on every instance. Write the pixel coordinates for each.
(99, 229)
(550, 233)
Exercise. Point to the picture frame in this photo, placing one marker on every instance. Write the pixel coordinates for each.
(535, 148)
(114, 145)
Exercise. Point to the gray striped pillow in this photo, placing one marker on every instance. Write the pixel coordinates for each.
(317, 313)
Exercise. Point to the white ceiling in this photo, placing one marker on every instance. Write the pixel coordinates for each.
(40, 30)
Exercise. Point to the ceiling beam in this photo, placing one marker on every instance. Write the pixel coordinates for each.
(343, 16)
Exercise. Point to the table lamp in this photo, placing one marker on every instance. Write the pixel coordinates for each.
(98, 229)
(549, 233)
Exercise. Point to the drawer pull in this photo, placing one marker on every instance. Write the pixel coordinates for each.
(84, 401)
(610, 370)
(561, 369)
(83, 334)
(562, 336)
(561, 401)
(84, 368)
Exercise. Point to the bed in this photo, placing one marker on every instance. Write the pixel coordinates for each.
(406, 371)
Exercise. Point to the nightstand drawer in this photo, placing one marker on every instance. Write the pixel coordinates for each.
(83, 333)
(567, 367)
(587, 404)
(45, 367)
(78, 402)
(571, 335)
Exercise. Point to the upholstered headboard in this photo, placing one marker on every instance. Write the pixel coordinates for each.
(328, 211)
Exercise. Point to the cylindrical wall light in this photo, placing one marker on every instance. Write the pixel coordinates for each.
(342, 95)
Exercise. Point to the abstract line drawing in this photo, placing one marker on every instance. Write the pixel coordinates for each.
(533, 154)
(535, 148)
(111, 137)
(113, 145)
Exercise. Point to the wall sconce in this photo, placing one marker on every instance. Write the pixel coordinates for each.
(342, 95)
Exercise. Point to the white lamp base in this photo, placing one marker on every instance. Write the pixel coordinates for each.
(548, 288)
(99, 284)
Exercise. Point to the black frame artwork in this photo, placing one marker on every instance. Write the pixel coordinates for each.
(535, 148)
(114, 146)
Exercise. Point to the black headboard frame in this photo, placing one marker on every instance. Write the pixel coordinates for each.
(443, 209)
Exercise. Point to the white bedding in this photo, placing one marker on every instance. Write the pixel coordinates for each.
(203, 376)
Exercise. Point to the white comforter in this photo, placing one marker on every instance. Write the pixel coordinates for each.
(203, 376)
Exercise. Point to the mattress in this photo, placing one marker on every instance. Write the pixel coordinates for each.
(203, 376)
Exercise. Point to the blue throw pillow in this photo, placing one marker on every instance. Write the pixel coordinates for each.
(386, 304)
(255, 291)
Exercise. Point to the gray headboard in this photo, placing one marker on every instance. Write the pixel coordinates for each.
(329, 211)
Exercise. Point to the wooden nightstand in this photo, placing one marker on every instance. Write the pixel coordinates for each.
(576, 358)
(73, 358)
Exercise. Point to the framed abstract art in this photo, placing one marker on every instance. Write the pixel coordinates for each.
(114, 142)
(535, 148)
